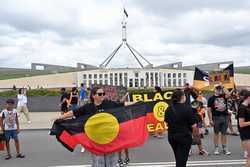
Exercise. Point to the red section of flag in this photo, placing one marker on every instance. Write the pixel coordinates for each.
(132, 133)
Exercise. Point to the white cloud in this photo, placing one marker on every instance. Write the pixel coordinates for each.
(65, 32)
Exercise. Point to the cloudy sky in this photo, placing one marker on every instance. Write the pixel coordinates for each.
(64, 32)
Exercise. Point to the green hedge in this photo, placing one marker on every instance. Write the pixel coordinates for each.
(46, 92)
(34, 92)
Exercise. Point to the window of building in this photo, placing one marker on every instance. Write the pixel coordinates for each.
(125, 76)
(184, 81)
(120, 79)
(95, 76)
(147, 79)
(169, 75)
(156, 79)
(84, 76)
(152, 79)
(179, 75)
(165, 80)
(111, 78)
(106, 79)
(184, 75)
(116, 79)
(142, 82)
(90, 76)
(179, 82)
(174, 75)
(160, 79)
(174, 82)
(169, 83)
(130, 82)
(100, 76)
(95, 81)
(106, 82)
(40, 67)
(90, 82)
(100, 82)
(136, 82)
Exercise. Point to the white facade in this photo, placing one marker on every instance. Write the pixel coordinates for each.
(127, 77)
(136, 78)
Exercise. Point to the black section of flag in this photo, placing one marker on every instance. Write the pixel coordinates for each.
(125, 12)
(200, 75)
(230, 68)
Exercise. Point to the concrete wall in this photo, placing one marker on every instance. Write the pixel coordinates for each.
(50, 67)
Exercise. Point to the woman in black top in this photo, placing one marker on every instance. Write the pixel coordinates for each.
(98, 104)
(244, 123)
(74, 98)
(181, 123)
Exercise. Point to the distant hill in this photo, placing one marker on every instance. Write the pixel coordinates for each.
(243, 70)
(11, 73)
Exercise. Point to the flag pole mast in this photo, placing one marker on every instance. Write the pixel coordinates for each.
(105, 63)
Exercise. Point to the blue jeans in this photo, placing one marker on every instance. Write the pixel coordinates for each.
(74, 106)
(10, 134)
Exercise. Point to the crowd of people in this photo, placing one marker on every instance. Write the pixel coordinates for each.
(188, 118)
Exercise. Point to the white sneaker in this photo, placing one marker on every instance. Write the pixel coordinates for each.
(190, 152)
(245, 154)
(226, 152)
(216, 151)
(82, 150)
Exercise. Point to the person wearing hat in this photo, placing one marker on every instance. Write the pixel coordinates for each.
(10, 125)
(218, 117)
(244, 124)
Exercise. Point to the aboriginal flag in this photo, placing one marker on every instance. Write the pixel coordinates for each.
(201, 79)
(105, 132)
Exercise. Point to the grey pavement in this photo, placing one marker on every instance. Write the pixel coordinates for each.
(39, 120)
(42, 150)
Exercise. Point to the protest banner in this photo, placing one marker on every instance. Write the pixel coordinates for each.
(155, 119)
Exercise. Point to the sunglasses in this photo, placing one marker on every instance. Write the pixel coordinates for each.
(101, 94)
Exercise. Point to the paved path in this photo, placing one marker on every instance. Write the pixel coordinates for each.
(40, 120)
(42, 150)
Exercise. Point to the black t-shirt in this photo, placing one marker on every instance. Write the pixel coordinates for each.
(64, 96)
(218, 105)
(91, 108)
(74, 98)
(244, 112)
(180, 118)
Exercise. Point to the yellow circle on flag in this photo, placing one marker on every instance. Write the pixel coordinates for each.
(102, 128)
(159, 110)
